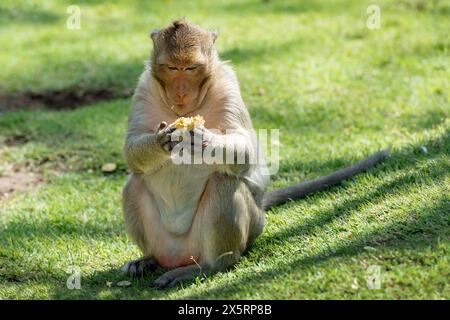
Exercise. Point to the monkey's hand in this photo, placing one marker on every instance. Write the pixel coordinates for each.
(193, 142)
(200, 139)
(164, 137)
(145, 152)
(233, 151)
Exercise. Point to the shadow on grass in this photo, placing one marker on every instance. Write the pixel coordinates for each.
(420, 240)
(407, 158)
(70, 140)
(55, 228)
(436, 174)
(418, 234)
(425, 121)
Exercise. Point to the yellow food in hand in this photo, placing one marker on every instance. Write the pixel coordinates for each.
(189, 123)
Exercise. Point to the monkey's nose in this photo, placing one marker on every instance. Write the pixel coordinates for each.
(181, 96)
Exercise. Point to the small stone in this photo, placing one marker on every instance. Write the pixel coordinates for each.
(424, 149)
(123, 283)
(109, 167)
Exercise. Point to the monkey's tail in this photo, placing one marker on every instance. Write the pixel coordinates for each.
(303, 189)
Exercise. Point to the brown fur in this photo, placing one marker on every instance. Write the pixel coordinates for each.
(189, 217)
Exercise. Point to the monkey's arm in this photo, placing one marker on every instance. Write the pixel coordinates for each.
(238, 151)
(145, 150)
(143, 153)
(232, 151)
(236, 139)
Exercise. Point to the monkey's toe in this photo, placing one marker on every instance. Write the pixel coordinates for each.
(140, 267)
(164, 281)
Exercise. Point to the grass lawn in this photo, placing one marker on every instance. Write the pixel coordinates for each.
(336, 90)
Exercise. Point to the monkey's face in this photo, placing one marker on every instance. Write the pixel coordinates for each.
(183, 83)
(182, 62)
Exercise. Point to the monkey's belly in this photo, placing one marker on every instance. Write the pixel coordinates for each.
(177, 190)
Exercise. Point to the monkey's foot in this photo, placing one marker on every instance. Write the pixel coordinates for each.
(177, 275)
(139, 267)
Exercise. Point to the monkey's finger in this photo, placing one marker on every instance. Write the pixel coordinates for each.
(166, 147)
(172, 144)
(179, 136)
(132, 269)
(169, 145)
(162, 282)
(196, 132)
(164, 138)
(162, 125)
(167, 130)
(140, 268)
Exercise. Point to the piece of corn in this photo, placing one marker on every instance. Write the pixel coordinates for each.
(189, 123)
(198, 121)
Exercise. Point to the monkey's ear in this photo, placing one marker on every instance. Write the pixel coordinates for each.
(214, 35)
(154, 34)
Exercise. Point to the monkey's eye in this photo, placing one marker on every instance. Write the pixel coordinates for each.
(172, 68)
(190, 68)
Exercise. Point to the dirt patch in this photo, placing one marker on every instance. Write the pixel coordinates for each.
(19, 179)
(59, 100)
(16, 140)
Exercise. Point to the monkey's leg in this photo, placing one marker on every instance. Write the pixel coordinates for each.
(135, 200)
(230, 221)
(174, 276)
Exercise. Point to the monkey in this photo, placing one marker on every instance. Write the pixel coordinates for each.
(194, 219)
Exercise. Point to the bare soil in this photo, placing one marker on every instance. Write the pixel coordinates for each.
(59, 100)
(18, 179)
(16, 140)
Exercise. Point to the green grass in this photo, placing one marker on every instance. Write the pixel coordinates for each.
(336, 90)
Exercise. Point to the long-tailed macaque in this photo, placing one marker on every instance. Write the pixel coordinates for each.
(196, 218)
